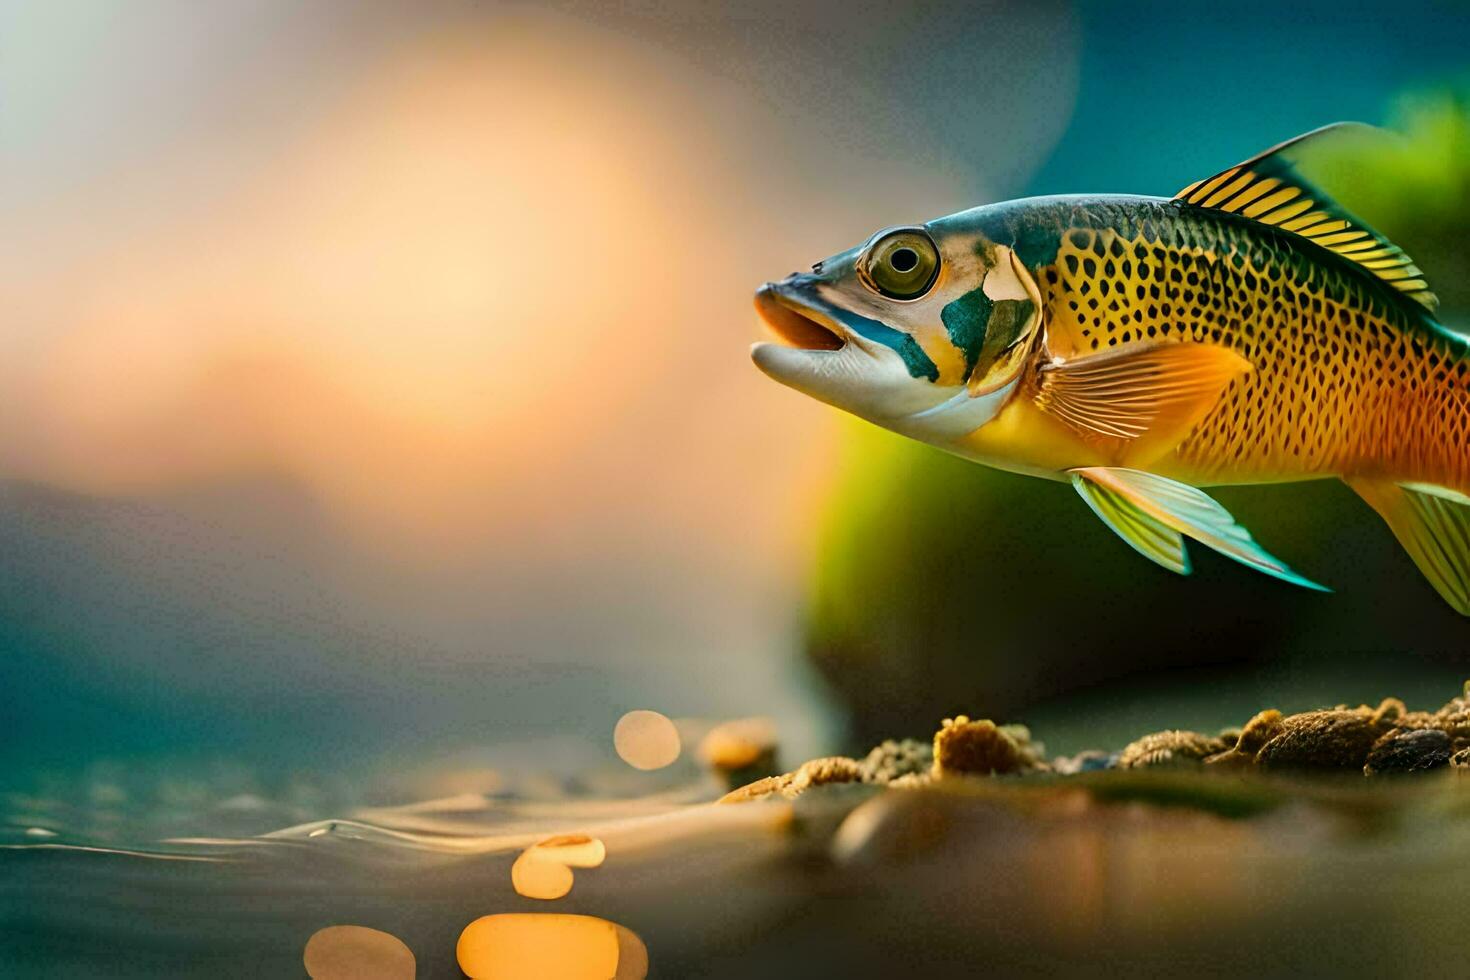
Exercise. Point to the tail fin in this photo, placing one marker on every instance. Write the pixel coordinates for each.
(1433, 525)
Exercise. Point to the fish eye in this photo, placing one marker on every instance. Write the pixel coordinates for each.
(900, 264)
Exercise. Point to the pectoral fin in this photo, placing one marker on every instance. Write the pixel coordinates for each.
(1151, 513)
(1143, 400)
(1433, 525)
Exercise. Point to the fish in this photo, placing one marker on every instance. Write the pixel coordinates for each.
(1248, 330)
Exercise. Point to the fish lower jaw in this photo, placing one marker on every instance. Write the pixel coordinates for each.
(819, 373)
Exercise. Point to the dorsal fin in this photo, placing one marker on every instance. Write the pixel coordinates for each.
(1268, 188)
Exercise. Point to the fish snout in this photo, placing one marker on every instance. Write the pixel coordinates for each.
(794, 320)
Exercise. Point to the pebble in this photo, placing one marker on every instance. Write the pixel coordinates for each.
(1337, 738)
(819, 772)
(895, 759)
(1409, 751)
(983, 748)
(1171, 748)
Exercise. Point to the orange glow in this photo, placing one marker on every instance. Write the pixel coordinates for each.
(438, 281)
(516, 946)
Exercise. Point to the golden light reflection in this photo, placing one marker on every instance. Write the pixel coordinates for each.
(646, 740)
(544, 869)
(517, 946)
(357, 953)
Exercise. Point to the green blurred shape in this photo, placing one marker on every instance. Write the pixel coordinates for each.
(1416, 189)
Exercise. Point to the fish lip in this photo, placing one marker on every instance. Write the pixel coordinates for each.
(798, 321)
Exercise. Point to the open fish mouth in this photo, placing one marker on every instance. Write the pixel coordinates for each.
(796, 323)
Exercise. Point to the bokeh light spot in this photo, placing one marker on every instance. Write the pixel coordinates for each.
(646, 740)
(544, 869)
(535, 876)
(739, 744)
(357, 953)
(514, 946)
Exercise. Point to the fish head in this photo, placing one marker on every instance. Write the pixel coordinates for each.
(921, 329)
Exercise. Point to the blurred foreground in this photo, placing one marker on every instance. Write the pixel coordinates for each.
(880, 868)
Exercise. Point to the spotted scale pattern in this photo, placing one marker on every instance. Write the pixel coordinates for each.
(1349, 377)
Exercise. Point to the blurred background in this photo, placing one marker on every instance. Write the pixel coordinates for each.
(374, 388)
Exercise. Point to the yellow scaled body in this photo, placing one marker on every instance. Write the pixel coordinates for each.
(1352, 386)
